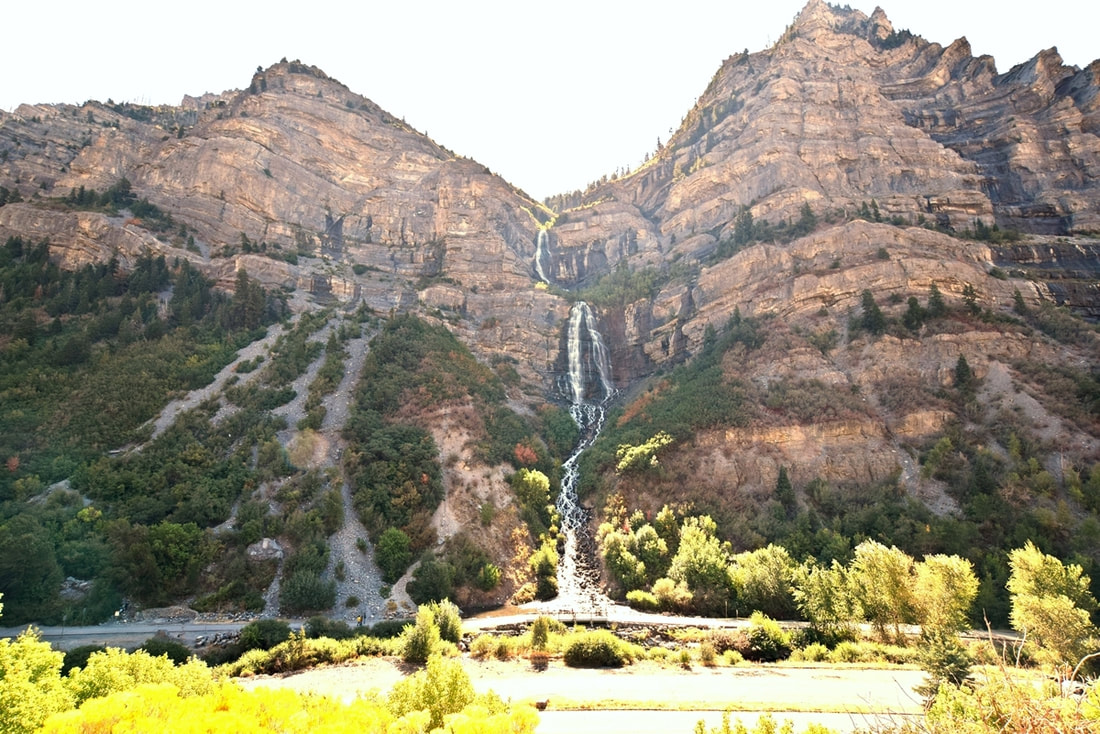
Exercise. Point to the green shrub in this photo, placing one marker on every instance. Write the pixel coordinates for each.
(724, 640)
(598, 649)
(376, 646)
(420, 640)
(657, 654)
(264, 634)
(768, 641)
(847, 651)
(176, 652)
(317, 627)
(483, 646)
(448, 619)
(642, 600)
(488, 578)
(114, 670)
(433, 580)
(815, 652)
(707, 655)
(544, 565)
(387, 629)
(442, 688)
(871, 652)
(305, 591)
(506, 647)
(78, 657)
(225, 655)
(393, 553)
(542, 628)
(248, 664)
(732, 657)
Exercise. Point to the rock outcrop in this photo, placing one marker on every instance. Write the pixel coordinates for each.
(842, 111)
(343, 200)
(861, 153)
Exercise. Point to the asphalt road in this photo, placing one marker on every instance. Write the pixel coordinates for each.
(124, 634)
(131, 634)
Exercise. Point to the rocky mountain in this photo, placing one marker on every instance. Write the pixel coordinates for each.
(306, 171)
(850, 168)
(842, 111)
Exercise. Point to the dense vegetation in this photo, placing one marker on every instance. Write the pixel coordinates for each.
(989, 460)
(413, 369)
(694, 396)
(72, 344)
(679, 565)
(116, 199)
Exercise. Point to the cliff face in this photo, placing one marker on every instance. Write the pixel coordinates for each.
(844, 110)
(857, 149)
(317, 177)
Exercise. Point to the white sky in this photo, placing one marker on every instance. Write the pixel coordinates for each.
(549, 95)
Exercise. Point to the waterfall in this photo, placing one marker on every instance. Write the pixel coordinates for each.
(599, 353)
(589, 370)
(589, 361)
(541, 252)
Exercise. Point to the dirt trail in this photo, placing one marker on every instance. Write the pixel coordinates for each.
(361, 579)
(171, 411)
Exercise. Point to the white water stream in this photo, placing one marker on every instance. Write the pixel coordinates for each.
(541, 253)
(590, 388)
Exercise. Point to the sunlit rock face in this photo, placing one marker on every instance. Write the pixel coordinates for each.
(312, 187)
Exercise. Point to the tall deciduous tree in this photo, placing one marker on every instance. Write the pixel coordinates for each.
(762, 581)
(944, 590)
(702, 563)
(826, 597)
(884, 578)
(1051, 603)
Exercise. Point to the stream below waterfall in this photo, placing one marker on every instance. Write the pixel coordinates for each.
(590, 389)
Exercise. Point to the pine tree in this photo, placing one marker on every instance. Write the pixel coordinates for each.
(964, 378)
(784, 491)
(945, 660)
(1018, 304)
(913, 318)
(936, 305)
(970, 299)
(873, 321)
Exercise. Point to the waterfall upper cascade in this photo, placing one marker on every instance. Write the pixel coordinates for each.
(542, 253)
(590, 388)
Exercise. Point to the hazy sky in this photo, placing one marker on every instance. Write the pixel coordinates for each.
(550, 95)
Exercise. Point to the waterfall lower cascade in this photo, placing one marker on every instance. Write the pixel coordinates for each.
(590, 388)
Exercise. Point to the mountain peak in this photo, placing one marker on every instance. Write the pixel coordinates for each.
(881, 27)
(819, 17)
(816, 16)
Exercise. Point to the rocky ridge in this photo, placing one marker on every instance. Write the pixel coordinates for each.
(841, 111)
(885, 146)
